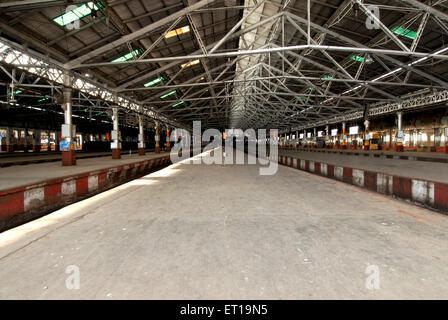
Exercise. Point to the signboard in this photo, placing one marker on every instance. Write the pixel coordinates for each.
(64, 146)
(354, 130)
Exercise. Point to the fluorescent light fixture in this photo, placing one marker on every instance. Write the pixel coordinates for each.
(16, 92)
(177, 32)
(43, 99)
(177, 104)
(191, 63)
(327, 77)
(154, 82)
(168, 94)
(77, 13)
(404, 32)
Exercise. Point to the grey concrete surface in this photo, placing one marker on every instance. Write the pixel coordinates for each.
(432, 171)
(225, 232)
(17, 176)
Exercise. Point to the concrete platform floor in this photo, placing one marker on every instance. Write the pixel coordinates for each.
(224, 232)
(17, 176)
(432, 171)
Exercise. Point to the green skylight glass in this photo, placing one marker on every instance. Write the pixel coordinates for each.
(77, 13)
(154, 82)
(404, 32)
(177, 104)
(356, 58)
(16, 92)
(128, 56)
(168, 94)
(327, 77)
(43, 99)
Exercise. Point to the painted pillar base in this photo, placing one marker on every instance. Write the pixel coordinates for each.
(399, 148)
(69, 158)
(157, 150)
(141, 151)
(446, 149)
(116, 153)
(9, 148)
(36, 148)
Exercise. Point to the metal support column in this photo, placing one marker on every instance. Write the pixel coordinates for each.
(168, 144)
(366, 135)
(399, 145)
(115, 145)
(141, 137)
(157, 138)
(67, 146)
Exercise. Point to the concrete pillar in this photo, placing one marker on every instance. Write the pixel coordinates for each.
(327, 136)
(68, 146)
(36, 141)
(399, 145)
(157, 138)
(141, 137)
(366, 135)
(115, 145)
(344, 137)
(167, 144)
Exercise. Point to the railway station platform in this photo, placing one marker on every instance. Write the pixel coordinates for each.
(29, 191)
(424, 183)
(225, 232)
(16, 159)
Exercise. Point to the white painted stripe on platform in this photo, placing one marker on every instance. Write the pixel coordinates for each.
(422, 191)
(312, 166)
(358, 177)
(339, 173)
(33, 198)
(93, 183)
(384, 183)
(324, 169)
(68, 188)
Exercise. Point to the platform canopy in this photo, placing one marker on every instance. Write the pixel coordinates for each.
(286, 64)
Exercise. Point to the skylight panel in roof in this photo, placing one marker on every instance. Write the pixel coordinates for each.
(191, 63)
(154, 82)
(76, 14)
(128, 56)
(356, 58)
(404, 32)
(177, 32)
